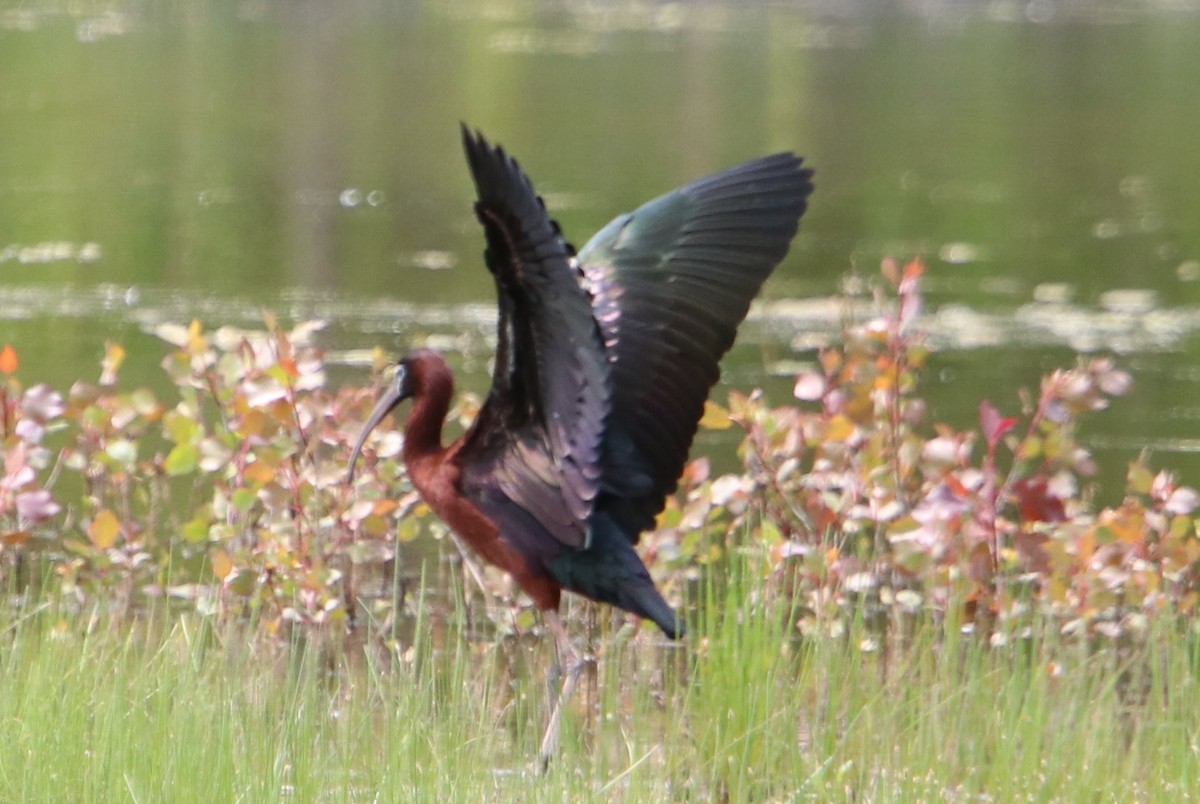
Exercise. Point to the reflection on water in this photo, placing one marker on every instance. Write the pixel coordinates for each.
(1129, 322)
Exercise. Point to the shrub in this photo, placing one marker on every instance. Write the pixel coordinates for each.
(860, 508)
(230, 496)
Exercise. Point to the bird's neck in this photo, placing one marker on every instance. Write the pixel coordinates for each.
(423, 429)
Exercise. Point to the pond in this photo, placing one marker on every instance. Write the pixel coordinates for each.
(164, 162)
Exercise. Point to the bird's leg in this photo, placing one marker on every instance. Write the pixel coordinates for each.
(565, 654)
(470, 563)
(554, 675)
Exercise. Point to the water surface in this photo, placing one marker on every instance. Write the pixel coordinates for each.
(208, 159)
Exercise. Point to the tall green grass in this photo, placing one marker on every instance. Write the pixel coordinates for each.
(168, 710)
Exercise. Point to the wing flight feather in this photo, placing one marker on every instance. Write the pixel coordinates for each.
(671, 282)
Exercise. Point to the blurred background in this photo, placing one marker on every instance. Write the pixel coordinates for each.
(170, 161)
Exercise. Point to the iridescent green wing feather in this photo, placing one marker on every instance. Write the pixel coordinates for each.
(671, 282)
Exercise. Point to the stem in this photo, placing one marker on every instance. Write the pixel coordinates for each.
(991, 498)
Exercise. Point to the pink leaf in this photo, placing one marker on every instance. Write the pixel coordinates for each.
(1182, 501)
(30, 431)
(14, 461)
(810, 386)
(910, 298)
(995, 427)
(1115, 382)
(37, 505)
(42, 403)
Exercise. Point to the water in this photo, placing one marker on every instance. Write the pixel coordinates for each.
(207, 159)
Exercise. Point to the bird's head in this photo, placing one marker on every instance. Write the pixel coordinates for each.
(401, 387)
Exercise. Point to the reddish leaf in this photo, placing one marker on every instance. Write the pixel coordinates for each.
(955, 485)
(696, 472)
(994, 426)
(8, 359)
(17, 537)
(980, 565)
(1036, 502)
(913, 271)
(1031, 547)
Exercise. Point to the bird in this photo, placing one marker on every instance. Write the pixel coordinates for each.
(604, 360)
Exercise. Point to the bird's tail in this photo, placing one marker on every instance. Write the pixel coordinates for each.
(609, 570)
(645, 601)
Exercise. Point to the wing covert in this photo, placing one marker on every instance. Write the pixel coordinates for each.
(550, 384)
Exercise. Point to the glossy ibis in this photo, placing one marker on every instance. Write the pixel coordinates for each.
(603, 363)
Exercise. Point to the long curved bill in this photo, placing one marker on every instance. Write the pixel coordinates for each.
(390, 398)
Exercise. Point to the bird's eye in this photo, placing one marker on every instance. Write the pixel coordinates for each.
(388, 373)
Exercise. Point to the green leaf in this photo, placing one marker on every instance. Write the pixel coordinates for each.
(182, 460)
(243, 582)
(1031, 449)
(1140, 478)
(196, 531)
(122, 451)
(221, 533)
(180, 428)
(94, 417)
(243, 499)
(1181, 527)
(215, 454)
(408, 529)
(769, 532)
(377, 527)
(143, 401)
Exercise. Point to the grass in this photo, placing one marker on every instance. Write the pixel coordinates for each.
(168, 710)
(229, 494)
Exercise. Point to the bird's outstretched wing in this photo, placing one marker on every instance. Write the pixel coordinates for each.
(671, 282)
(538, 438)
